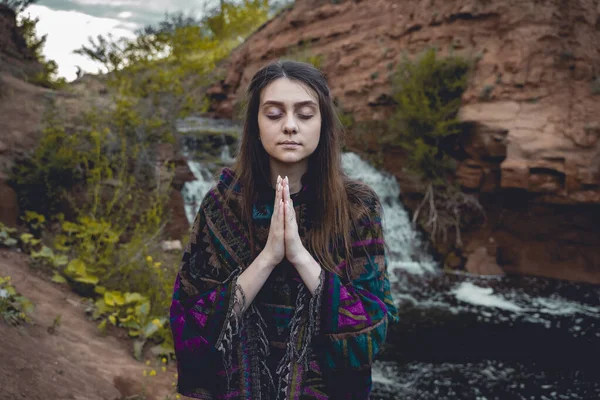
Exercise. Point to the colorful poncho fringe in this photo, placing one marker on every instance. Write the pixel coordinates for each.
(287, 344)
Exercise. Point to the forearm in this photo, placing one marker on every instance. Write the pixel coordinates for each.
(310, 271)
(252, 280)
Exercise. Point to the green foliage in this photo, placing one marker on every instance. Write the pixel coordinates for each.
(6, 236)
(44, 176)
(14, 308)
(116, 213)
(133, 312)
(428, 94)
(48, 76)
(159, 73)
(97, 191)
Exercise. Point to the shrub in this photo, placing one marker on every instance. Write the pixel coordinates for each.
(44, 176)
(6, 236)
(14, 308)
(48, 75)
(428, 95)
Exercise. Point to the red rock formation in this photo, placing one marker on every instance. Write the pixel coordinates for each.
(531, 108)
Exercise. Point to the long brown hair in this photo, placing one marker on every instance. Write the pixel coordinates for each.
(339, 201)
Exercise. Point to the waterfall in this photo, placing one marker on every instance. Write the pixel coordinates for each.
(405, 245)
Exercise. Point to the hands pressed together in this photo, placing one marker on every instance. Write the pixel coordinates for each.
(284, 240)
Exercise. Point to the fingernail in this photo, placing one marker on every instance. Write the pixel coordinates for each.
(278, 178)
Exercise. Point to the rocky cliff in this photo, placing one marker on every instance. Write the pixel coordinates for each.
(21, 106)
(531, 142)
(15, 57)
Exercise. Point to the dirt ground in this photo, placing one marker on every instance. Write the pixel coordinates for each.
(74, 362)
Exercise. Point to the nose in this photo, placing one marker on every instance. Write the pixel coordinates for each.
(290, 126)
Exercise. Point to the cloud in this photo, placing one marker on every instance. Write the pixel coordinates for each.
(69, 23)
(69, 30)
(125, 14)
(144, 11)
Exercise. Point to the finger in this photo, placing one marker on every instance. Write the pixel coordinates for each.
(291, 211)
(277, 191)
(287, 191)
(281, 213)
(277, 209)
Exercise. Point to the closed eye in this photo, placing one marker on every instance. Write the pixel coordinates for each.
(302, 116)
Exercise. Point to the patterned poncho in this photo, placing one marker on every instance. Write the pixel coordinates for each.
(288, 344)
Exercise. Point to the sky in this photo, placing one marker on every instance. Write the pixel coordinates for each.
(69, 24)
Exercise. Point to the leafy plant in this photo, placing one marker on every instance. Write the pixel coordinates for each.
(428, 94)
(131, 311)
(43, 177)
(14, 307)
(6, 234)
(48, 74)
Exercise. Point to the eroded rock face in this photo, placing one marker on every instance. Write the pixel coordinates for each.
(15, 57)
(21, 107)
(532, 108)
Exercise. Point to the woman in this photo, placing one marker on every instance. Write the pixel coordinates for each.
(283, 290)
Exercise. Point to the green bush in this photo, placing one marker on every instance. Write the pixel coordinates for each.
(7, 236)
(43, 177)
(48, 75)
(428, 94)
(14, 308)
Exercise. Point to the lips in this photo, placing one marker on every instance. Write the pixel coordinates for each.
(289, 143)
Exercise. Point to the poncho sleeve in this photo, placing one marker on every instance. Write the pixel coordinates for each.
(355, 315)
(201, 309)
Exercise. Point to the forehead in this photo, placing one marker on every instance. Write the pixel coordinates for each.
(288, 91)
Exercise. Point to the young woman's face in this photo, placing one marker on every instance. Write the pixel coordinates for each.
(289, 112)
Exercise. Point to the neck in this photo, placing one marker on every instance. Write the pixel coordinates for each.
(294, 173)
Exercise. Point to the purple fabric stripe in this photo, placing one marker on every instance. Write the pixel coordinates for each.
(310, 392)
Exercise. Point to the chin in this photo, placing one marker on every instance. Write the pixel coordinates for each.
(289, 158)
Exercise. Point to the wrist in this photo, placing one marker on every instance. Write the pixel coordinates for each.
(303, 259)
(266, 260)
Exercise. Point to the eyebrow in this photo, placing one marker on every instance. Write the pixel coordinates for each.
(296, 105)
